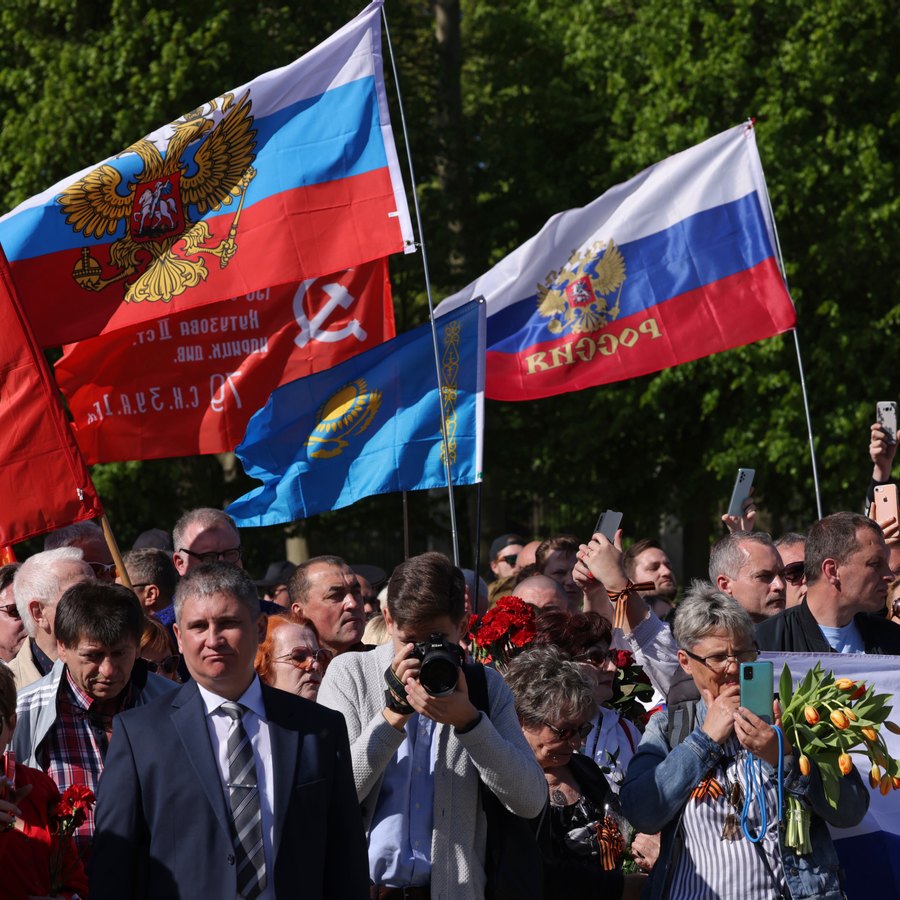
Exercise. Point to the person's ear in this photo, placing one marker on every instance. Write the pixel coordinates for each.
(830, 572)
(723, 583)
(684, 661)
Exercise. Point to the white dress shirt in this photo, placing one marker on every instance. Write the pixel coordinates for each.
(254, 720)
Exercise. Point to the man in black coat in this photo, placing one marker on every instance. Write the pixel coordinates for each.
(847, 577)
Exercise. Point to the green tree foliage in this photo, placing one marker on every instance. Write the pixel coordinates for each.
(517, 110)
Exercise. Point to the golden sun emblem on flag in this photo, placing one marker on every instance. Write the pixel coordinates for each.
(207, 165)
(348, 411)
(577, 295)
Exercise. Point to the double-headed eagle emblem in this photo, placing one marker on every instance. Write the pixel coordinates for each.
(578, 295)
(207, 165)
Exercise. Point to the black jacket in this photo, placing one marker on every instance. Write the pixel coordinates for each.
(796, 631)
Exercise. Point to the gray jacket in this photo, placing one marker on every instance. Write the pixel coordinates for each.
(37, 708)
(495, 749)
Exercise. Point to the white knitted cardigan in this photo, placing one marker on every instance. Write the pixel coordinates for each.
(495, 749)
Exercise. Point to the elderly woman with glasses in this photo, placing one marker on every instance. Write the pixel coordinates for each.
(688, 778)
(290, 658)
(585, 639)
(579, 833)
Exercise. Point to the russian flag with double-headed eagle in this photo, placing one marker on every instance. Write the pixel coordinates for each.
(675, 264)
(289, 177)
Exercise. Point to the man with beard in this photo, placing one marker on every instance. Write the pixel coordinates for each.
(646, 561)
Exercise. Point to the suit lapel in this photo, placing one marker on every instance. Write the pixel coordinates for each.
(286, 751)
(189, 719)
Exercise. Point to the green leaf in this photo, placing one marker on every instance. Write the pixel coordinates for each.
(785, 688)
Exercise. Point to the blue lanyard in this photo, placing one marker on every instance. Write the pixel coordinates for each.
(756, 788)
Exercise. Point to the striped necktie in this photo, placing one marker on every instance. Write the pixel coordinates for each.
(245, 809)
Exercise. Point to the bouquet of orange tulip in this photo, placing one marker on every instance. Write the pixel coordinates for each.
(827, 720)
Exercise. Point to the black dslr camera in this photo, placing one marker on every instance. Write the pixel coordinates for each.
(441, 662)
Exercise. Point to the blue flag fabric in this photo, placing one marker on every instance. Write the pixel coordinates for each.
(371, 425)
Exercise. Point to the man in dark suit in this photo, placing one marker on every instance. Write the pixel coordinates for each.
(228, 788)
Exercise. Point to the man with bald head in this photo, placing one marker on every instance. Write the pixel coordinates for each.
(326, 590)
(205, 535)
(544, 593)
(88, 538)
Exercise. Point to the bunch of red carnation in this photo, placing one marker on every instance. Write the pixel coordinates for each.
(69, 814)
(502, 632)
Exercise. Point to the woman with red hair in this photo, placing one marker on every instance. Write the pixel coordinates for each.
(290, 657)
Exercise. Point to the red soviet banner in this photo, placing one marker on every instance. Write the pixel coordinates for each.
(43, 480)
(187, 383)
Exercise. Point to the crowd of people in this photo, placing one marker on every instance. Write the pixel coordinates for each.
(325, 730)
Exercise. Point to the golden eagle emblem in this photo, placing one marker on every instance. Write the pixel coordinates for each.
(207, 165)
(577, 296)
(349, 410)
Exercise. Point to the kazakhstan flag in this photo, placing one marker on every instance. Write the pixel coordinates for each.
(371, 425)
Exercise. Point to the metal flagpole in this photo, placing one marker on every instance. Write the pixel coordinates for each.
(434, 338)
(809, 428)
(477, 597)
(405, 525)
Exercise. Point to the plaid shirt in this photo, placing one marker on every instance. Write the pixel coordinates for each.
(76, 747)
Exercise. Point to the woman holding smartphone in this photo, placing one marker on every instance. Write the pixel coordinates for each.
(689, 781)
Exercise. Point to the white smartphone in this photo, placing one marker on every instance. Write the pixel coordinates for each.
(886, 416)
(742, 484)
(608, 524)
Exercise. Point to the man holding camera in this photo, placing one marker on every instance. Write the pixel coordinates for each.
(419, 746)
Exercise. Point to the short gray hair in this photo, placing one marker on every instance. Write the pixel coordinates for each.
(217, 578)
(72, 535)
(36, 579)
(206, 517)
(546, 684)
(727, 555)
(790, 539)
(705, 609)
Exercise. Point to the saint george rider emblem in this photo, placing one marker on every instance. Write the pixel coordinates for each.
(583, 296)
(157, 212)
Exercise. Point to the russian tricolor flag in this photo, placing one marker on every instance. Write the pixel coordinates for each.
(675, 264)
(304, 158)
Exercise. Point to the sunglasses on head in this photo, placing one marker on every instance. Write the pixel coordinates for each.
(11, 610)
(793, 572)
(100, 568)
(168, 666)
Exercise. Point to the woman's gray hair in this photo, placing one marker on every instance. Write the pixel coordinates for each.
(705, 609)
(547, 686)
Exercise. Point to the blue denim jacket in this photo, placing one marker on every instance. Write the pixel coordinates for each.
(659, 782)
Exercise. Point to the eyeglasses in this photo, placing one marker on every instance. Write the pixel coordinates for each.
(566, 734)
(301, 658)
(718, 662)
(509, 559)
(169, 665)
(11, 610)
(793, 572)
(101, 569)
(230, 556)
(597, 657)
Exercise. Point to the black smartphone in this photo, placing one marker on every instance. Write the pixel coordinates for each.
(608, 524)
